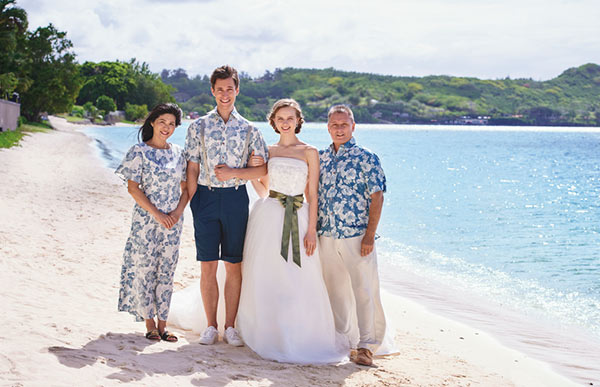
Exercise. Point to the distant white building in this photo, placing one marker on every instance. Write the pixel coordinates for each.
(9, 115)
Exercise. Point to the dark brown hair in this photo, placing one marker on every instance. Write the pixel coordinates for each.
(224, 72)
(286, 102)
(147, 131)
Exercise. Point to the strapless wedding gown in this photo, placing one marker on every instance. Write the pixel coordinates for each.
(284, 311)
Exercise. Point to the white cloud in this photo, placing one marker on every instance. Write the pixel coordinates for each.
(483, 38)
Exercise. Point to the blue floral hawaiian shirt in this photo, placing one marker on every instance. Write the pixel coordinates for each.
(224, 145)
(348, 179)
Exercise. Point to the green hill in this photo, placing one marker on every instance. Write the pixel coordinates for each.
(572, 98)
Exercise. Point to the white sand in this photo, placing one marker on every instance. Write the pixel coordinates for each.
(64, 219)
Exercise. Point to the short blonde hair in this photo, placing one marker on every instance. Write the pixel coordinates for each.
(286, 102)
(340, 109)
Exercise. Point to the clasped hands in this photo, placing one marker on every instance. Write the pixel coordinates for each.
(167, 220)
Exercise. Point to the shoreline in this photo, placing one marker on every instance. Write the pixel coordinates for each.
(66, 220)
(570, 350)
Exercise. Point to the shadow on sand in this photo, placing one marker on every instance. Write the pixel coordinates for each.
(135, 358)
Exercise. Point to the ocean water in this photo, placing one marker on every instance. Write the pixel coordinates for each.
(497, 228)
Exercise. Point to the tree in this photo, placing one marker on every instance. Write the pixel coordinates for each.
(91, 110)
(8, 84)
(13, 33)
(150, 90)
(124, 82)
(113, 79)
(135, 112)
(541, 115)
(106, 104)
(354, 99)
(53, 71)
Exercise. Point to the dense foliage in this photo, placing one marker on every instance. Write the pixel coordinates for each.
(105, 104)
(13, 35)
(135, 112)
(54, 74)
(38, 65)
(123, 82)
(573, 98)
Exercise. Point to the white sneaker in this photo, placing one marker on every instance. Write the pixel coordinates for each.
(209, 336)
(232, 337)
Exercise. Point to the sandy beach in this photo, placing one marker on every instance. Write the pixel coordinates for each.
(64, 219)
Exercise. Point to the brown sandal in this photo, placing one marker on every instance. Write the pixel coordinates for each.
(153, 335)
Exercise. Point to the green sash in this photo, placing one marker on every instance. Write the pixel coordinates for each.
(290, 224)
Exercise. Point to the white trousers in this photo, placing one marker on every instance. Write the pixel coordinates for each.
(353, 285)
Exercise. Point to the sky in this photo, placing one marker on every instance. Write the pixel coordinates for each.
(487, 39)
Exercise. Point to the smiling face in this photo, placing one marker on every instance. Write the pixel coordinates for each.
(340, 127)
(286, 120)
(163, 126)
(225, 92)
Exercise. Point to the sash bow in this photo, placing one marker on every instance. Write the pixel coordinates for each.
(290, 224)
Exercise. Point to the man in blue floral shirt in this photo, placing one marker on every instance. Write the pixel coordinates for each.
(218, 146)
(351, 188)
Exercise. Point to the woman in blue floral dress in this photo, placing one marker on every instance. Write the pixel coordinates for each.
(155, 174)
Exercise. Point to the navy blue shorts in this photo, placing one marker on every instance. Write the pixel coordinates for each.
(220, 217)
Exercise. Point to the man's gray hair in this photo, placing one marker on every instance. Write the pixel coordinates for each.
(340, 109)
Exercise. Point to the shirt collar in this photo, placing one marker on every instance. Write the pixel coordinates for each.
(348, 144)
(234, 113)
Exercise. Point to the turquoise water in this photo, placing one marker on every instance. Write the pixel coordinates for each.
(511, 218)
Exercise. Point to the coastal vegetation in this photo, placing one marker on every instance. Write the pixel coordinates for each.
(39, 69)
(572, 98)
(38, 65)
(128, 86)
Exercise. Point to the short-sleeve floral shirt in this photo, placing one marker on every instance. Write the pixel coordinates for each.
(159, 173)
(347, 181)
(224, 145)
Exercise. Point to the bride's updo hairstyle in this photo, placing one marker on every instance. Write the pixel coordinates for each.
(286, 102)
(147, 131)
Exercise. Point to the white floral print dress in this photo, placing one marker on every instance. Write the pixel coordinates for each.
(152, 250)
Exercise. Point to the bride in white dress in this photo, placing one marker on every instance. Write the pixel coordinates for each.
(284, 311)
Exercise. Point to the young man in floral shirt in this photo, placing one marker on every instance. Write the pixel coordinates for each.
(218, 146)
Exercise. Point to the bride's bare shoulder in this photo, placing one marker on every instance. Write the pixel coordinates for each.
(309, 149)
(305, 147)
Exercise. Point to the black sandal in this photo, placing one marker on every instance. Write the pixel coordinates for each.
(153, 335)
(168, 336)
